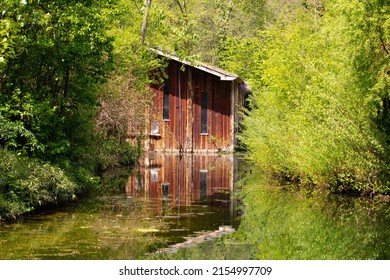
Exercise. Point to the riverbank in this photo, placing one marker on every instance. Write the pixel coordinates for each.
(28, 185)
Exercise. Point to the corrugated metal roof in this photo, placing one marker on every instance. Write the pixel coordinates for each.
(223, 75)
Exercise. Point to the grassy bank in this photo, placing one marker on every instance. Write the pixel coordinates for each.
(320, 110)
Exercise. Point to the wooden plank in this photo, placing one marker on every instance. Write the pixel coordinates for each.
(233, 113)
(227, 115)
(185, 110)
(215, 103)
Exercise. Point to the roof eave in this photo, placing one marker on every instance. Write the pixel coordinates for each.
(224, 76)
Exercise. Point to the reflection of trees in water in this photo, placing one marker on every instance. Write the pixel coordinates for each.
(288, 224)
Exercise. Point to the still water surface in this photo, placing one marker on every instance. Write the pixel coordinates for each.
(171, 200)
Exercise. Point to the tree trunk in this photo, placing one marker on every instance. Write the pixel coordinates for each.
(147, 5)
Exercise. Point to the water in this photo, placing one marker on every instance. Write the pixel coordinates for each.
(173, 208)
(169, 200)
(281, 222)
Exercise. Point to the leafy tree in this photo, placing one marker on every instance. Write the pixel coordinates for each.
(53, 54)
(58, 53)
(315, 118)
(124, 98)
(200, 28)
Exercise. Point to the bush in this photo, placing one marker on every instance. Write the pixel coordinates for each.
(112, 153)
(27, 184)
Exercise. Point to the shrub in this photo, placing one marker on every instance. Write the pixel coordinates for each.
(27, 184)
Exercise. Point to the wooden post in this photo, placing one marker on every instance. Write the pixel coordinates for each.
(233, 114)
(190, 118)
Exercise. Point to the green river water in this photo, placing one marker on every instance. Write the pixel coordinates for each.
(173, 207)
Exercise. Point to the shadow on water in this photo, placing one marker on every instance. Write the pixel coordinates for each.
(169, 200)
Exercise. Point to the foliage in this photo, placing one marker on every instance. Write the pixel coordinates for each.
(124, 99)
(318, 97)
(199, 29)
(59, 52)
(27, 184)
(53, 55)
(10, 131)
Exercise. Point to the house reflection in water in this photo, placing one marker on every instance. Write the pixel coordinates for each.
(181, 180)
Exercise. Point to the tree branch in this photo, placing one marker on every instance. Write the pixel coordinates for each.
(147, 5)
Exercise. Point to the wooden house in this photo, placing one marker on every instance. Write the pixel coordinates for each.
(195, 109)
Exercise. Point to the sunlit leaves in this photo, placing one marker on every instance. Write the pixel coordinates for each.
(313, 120)
(53, 55)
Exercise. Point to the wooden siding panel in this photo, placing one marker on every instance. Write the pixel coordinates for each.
(221, 120)
(172, 120)
(226, 115)
(213, 102)
(185, 109)
(189, 110)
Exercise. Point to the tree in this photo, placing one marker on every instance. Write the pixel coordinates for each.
(314, 116)
(124, 99)
(53, 54)
(200, 28)
(58, 52)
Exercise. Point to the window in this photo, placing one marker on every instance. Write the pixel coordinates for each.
(203, 116)
(155, 128)
(154, 175)
(166, 100)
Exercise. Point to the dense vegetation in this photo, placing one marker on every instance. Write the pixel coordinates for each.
(73, 76)
(54, 54)
(320, 85)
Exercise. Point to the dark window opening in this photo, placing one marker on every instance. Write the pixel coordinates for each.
(203, 116)
(166, 100)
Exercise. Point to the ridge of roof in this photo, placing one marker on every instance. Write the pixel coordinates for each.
(222, 74)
